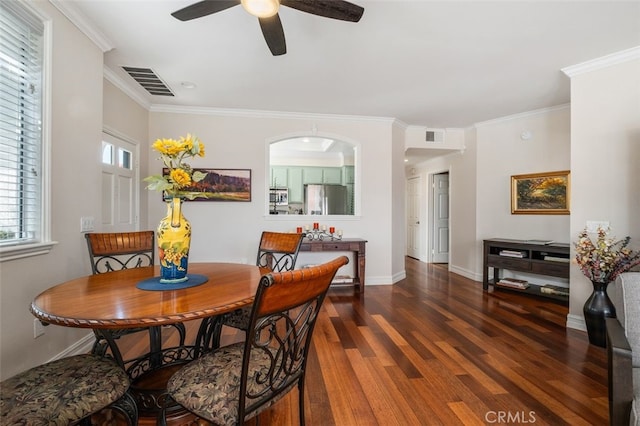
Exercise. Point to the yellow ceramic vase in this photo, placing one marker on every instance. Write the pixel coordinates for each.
(174, 239)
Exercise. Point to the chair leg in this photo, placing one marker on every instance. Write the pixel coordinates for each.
(301, 401)
(182, 331)
(161, 420)
(208, 338)
(127, 406)
(216, 335)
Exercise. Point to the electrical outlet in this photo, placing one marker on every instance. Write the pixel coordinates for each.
(38, 328)
(87, 224)
(593, 225)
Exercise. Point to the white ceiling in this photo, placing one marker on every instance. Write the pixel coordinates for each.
(431, 63)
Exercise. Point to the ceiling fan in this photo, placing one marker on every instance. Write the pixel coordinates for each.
(267, 13)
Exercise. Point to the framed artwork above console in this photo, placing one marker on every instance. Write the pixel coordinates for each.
(540, 193)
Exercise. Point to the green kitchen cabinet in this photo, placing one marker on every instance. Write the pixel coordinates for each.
(295, 185)
(332, 175)
(312, 175)
(279, 177)
(348, 175)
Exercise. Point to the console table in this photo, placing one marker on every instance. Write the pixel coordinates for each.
(355, 245)
(551, 259)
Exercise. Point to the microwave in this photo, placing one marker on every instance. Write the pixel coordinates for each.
(279, 196)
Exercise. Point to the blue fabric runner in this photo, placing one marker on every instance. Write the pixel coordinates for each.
(154, 283)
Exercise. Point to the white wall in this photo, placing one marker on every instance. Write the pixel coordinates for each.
(480, 183)
(397, 204)
(605, 153)
(76, 112)
(229, 231)
(501, 154)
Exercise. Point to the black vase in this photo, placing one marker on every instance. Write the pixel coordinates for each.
(598, 307)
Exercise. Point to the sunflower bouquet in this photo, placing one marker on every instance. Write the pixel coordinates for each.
(173, 153)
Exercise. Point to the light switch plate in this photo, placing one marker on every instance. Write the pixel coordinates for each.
(87, 224)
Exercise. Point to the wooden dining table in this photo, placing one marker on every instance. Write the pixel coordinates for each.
(112, 301)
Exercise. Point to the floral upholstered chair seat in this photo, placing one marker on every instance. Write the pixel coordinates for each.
(61, 392)
(210, 386)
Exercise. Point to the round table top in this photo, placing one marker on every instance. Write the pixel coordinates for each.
(112, 300)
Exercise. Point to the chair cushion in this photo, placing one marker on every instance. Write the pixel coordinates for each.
(634, 419)
(209, 386)
(62, 391)
(626, 299)
(238, 318)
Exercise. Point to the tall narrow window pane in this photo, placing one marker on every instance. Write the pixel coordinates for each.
(21, 39)
(107, 153)
(125, 159)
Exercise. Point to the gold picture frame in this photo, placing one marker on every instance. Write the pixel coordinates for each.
(541, 193)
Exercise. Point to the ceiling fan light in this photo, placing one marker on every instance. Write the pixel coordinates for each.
(261, 8)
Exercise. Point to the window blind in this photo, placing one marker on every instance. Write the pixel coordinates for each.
(21, 41)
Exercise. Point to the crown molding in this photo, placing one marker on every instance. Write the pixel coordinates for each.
(141, 99)
(522, 115)
(117, 81)
(77, 18)
(250, 113)
(603, 62)
(401, 124)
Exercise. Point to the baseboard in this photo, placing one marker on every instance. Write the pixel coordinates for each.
(576, 322)
(380, 280)
(465, 273)
(399, 276)
(82, 346)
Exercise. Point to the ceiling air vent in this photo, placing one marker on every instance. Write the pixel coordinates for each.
(149, 81)
(434, 136)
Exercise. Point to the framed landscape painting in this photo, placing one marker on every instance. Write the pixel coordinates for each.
(220, 185)
(540, 193)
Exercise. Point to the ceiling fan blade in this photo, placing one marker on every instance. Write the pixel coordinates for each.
(335, 9)
(203, 8)
(274, 34)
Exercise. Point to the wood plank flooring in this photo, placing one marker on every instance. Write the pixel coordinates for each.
(434, 349)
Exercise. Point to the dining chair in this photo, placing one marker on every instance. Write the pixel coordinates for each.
(236, 382)
(113, 251)
(277, 251)
(67, 391)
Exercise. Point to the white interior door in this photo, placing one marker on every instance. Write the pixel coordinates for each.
(440, 234)
(413, 216)
(119, 188)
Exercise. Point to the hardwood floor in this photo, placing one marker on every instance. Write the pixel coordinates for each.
(434, 349)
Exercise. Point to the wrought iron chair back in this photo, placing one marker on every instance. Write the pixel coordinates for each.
(281, 327)
(278, 251)
(248, 377)
(113, 251)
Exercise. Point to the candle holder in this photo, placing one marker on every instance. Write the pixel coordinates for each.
(318, 234)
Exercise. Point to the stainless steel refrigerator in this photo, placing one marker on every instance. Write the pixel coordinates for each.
(325, 199)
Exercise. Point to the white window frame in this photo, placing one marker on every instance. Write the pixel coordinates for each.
(43, 243)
